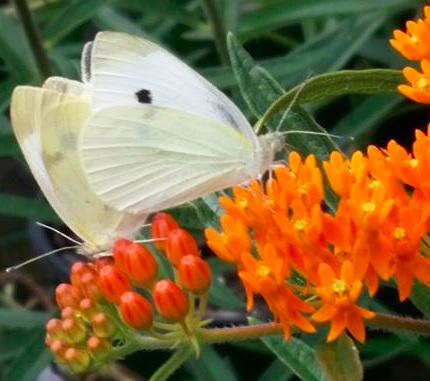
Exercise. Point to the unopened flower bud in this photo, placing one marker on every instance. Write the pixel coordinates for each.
(98, 347)
(136, 311)
(161, 225)
(89, 286)
(54, 328)
(179, 244)
(113, 283)
(68, 312)
(170, 301)
(78, 360)
(58, 349)
(102, 325)
(67, 296)
(77, 270)
(88, 309)
(194, 274)
(139, 265)
(74, 330)
(118, 251)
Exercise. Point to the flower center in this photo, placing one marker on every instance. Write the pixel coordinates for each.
(339, 287)
(399, 233)
(263, 271)
(368, 207)
(300, 225)
(422, 83)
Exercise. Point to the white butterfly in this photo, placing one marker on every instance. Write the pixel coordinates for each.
(161, 135)
(141, 133)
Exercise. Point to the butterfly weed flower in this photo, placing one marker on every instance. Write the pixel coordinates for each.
(413, 43)
(121, 304)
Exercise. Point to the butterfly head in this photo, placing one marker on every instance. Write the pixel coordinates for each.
(270, 144)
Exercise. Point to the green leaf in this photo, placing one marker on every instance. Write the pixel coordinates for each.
(9, 145)
(323, 86)
(11, 319)
(366, 115)
(276, 371)
(277, 14)
(257, 87)
(19, 60)
(18, 206)
(70, 17)
(340, 360)
(296, 355)
(326, 51)
(34, 357)
(210, 366)
(108, 18)
(420, 297)
(12, 342)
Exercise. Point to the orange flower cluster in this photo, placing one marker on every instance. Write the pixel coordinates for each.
(312, 264)
(101, 308)
(414, 44)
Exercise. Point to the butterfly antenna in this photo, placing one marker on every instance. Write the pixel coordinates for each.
(58, 232)
(290, 106)
(13, 268)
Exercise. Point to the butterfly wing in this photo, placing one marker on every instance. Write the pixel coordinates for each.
(143, 158)
(46, 123)
(125, 69)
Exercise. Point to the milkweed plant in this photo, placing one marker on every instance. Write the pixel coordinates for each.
(311, 243)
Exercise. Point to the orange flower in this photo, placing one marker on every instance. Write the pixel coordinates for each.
(419, 88)
(339, 296)
(266, 277)
(232, 242)
(414, 44)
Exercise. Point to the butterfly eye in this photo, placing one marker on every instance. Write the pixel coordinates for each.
(144, 96)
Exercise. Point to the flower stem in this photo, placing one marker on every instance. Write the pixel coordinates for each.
(174, 362)
(399, 323)
(220, 335)
(34, 37)
(219, 33)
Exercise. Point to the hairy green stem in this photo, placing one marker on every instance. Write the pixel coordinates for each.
(172, 364)
(399, 323)
(34, 37)
(221, 335)
(218, 29)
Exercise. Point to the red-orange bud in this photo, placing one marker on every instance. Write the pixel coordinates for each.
(170, 301)
(118, 251)
(139, 265)
(113, 283)
(67, 296)
(136, 311)
(98, 347)
(161, 225)
(77, 359)
(77, 270)
(194, 274)
(179, 244)
(89, 286)
(58, 349)
(88, 309)
(54, 328)
(102, 325)
(74, 330)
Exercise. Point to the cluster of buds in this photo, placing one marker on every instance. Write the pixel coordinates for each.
(109, 302)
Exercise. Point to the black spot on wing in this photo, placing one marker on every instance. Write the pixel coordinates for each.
(144, 96)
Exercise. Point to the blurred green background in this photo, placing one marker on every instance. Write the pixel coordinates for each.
(293, 40)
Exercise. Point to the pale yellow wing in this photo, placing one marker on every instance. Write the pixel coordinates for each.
(47, 123)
